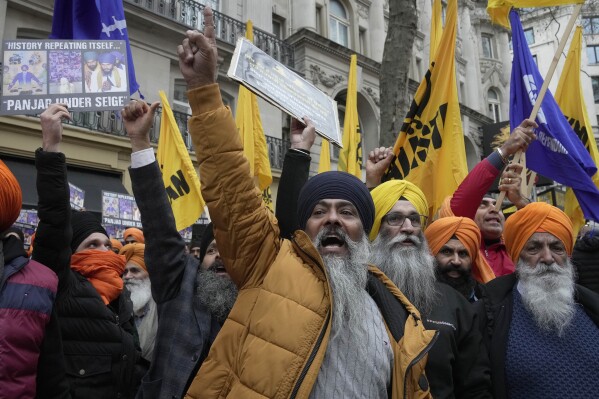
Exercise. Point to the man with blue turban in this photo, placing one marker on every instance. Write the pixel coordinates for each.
(108, 78)
(312, 318)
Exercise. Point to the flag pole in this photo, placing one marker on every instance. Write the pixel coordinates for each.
(518, 158)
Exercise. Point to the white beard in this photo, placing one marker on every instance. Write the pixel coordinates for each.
(412, 269)
(141, 293)
(548, 293)
(348, 276)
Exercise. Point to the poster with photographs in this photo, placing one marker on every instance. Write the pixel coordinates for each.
(27, 222)
(77, 196)
(120, 210)
(87, 75)
(115, 231)
(285, 89)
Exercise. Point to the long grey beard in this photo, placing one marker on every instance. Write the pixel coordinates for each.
(412, 269)
(216, 293)
(141, 293)
(347, 276)
(548, 293)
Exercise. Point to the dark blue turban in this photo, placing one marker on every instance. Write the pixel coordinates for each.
(84, 224)
(335, 185)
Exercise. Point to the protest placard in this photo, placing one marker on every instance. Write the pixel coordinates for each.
(120, 210)
(87, 75)
(77, 197)
(285, 89)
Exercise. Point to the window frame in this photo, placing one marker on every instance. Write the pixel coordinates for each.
(487, 37)
(494, 105)
(336, 21)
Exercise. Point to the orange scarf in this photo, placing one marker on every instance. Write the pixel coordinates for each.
(103, 269)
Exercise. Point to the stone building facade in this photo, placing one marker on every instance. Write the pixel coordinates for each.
(313, 37)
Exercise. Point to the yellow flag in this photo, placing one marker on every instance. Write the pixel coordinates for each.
(178, 174)
(570, 99)
(251, 132)
(350, 157)
(429, 150)
(436, 29)
(499, 10)
(325, 157)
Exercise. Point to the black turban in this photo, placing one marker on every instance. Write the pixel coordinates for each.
(335, 185)
(207, 238)
(84, 224)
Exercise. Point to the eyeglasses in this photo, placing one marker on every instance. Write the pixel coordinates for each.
(397, 219)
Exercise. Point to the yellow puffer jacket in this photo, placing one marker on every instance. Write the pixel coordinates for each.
(275, 338)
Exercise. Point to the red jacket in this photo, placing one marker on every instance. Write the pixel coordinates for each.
(467, 199)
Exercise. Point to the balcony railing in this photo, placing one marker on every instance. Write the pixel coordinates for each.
(189, 13)
(110, 122)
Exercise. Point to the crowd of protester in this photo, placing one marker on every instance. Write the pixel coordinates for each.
(348, 291)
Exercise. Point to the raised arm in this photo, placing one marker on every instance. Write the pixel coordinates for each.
(296, 169)
(245, 230)
(53, 236)
(470, 192)
(165, 249)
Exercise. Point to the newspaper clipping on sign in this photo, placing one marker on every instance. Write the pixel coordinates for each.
(285, 89)
(87, 75)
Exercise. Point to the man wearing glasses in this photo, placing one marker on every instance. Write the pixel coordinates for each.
(457, 364)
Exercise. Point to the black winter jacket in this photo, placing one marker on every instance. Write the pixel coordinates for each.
(457, 365)
(497, 303)
(100, 342)
(585, 258)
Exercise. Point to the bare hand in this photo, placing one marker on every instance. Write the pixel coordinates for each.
(51, 121)
(138, 118)
(302, 137)
(510, 182)
(198, 54)
(520, 138)
(377, 164)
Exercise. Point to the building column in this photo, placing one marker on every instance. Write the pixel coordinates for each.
(377, 30)
(303, 14)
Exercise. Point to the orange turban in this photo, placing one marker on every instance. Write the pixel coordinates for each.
(116, 244)
(134, 253)
(11, 197)
(440, 231)
(533, 218)
(445, 209)
(136, 233)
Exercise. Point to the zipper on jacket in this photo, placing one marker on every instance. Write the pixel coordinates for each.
(417, 359)
(302, 375)
(300, 380)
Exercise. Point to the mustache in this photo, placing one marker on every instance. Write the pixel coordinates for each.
(216, 265)
(330, 231)
(405, 238)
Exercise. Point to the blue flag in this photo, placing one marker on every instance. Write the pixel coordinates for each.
(93, 20)
(557, 153)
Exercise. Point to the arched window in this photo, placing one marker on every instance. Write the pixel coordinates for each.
(494, 105)
(338, 23)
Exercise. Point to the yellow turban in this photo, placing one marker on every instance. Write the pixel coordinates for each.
(536, 217)
(386, 195)
(136, 233)
(135, 253)
(440, 231)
